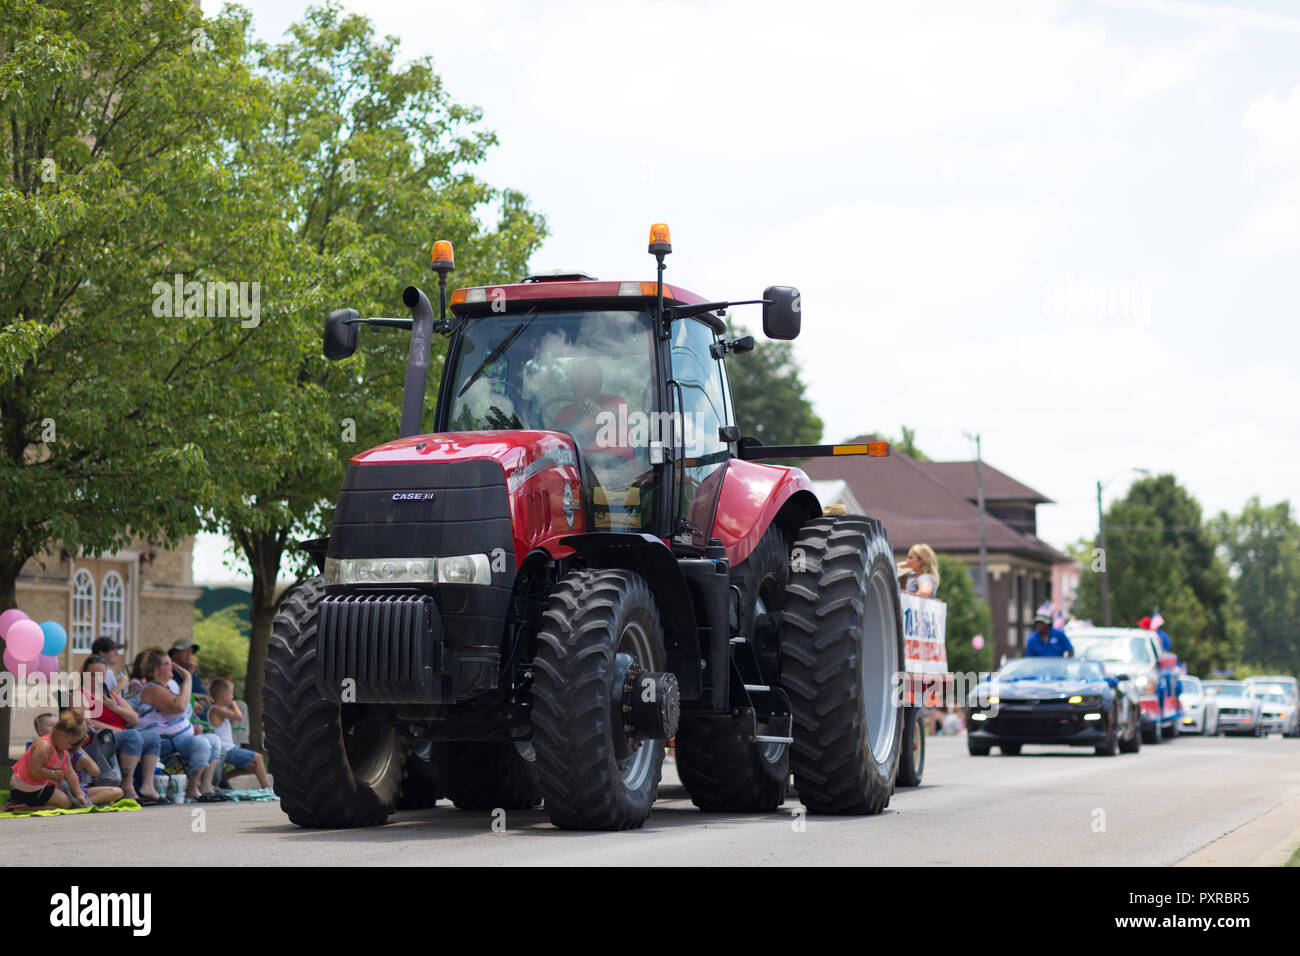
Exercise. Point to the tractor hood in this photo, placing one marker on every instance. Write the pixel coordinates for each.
(445, 482)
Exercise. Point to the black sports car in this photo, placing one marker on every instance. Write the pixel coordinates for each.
(1053, 700)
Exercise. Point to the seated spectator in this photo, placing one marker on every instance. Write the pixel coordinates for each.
(952, 724)
(919, 574)
(165, 707)
(220, 715)
(135, 677)
(182, 655)
(86, 771)
(107, 648)
(133, 745)
(47, 763)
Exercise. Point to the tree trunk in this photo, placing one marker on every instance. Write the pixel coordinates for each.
(263, 551)
(9, 568)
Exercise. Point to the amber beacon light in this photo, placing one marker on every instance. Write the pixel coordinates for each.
(661, 240)
(443, 259)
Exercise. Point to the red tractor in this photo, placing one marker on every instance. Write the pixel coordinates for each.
(583, 561)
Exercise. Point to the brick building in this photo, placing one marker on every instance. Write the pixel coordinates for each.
(934, 503)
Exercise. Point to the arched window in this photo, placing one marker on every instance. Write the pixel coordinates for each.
(112, 608)
(83, 611)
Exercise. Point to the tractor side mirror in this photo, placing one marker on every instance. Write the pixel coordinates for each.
(341, 334)
(742, 345)
(781, 312)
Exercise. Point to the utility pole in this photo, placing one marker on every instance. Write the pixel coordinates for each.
(979, 501)
(1101, 541)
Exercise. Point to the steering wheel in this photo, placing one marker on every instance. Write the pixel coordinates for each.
(544, 410)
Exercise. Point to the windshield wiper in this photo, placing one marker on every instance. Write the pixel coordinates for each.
(497, 352)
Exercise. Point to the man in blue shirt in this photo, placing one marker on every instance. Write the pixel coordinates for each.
(1047, 641)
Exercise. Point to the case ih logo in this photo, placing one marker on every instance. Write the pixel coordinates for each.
(413, 496)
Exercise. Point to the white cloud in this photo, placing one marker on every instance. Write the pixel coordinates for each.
(1271, 229)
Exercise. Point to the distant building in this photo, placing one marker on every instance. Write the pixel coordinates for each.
(935, 503)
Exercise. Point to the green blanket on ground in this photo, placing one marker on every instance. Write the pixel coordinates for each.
(123, 804)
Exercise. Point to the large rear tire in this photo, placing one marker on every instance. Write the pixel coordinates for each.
(594, 619)
(330, 769)
(722, 773)
(488, 775)
(911, 762)
(841, 653)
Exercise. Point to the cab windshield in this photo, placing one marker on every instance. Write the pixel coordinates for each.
(588, 374)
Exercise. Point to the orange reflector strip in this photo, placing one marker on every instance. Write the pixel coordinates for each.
(878, 449)
(850, 449)
(458, 297)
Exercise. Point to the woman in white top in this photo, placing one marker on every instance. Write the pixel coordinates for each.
(168, 711)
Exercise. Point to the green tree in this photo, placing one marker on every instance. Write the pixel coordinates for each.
(907, 445)
(113, 176)
(1160, 555)
(372, 160)
(1263, 549)
(223, 639)
(770, 395)
(968, 615)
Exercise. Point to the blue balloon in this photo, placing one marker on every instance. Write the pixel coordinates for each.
(56, 638)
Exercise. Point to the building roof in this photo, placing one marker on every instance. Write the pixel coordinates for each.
(917, 506)
(998, 485)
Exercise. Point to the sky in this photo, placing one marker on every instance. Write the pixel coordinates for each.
(1070, 227)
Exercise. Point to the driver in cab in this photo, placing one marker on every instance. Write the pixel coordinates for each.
(593, 418)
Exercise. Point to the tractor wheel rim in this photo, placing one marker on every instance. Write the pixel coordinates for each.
(635, 768)
(879, 666)
(367, 745)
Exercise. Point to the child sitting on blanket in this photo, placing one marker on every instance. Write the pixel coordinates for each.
(46, 763)
(87, 770)
(220, 714)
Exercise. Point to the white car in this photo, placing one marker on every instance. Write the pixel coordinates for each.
(1200, 711)
(1280, 697)
(1240, 712)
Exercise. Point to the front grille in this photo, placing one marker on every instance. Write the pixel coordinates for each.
(1033, 726)
(381, 649)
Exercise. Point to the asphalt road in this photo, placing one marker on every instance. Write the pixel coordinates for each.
(1048, 806)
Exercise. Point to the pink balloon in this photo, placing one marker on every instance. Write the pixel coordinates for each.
(46, 664)
(25, 639)
(8, 618)
(14, 666)
(977, 641)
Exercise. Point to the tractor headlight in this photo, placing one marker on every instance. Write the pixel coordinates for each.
(465, 569)
(461, 569)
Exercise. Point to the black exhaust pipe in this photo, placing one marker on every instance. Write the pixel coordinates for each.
(417, 362)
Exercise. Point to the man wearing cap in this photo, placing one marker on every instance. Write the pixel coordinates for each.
(107, 648)
(1047, 641)
(182, 654)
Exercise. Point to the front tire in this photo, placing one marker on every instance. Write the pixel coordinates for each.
(593, 622)
(330, 769)
(841, 653)
(722, 773)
